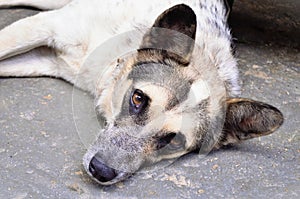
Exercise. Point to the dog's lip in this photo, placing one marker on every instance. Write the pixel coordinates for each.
(120, 177)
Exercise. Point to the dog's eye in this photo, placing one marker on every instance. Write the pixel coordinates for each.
(137, 98)
(165, 140)
(171, 141)
(138, 101)
(176, 143)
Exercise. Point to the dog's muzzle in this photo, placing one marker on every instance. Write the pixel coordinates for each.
(114, 156)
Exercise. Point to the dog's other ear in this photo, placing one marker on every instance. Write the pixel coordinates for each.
(247, 119)
(173, 32)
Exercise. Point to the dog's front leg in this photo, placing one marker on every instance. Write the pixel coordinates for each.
(25, 35)
(41, 61)
(40, 4)
(28, 48)
(42, 45)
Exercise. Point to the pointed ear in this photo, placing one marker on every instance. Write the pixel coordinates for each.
(247, 119)
(173, 32)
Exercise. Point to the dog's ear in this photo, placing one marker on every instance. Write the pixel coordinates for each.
(247, 119)
(173, 33)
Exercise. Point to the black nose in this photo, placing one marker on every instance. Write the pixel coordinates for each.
(100, 171)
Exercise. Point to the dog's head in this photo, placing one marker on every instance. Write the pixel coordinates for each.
(167, 100)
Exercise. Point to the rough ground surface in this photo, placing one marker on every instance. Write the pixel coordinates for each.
(41, 152)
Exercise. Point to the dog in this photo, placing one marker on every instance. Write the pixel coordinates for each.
(177, 90)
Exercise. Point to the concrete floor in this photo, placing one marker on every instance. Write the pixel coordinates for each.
(41, 152)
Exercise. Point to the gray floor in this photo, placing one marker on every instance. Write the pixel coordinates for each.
(41, 152)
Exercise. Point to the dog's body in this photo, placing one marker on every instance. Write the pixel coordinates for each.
(85, 29)
(165, 99)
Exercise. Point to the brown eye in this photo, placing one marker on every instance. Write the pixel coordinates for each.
(137, 99)
(138, 102)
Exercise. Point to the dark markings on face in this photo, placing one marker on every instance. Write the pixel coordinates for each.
(139, 103)
(130, 114)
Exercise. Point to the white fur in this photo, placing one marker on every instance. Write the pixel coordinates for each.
(199, 91)
(41, 4)
(75, 30)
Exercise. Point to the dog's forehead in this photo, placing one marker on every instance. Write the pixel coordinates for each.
(161, 81)
(155, 72)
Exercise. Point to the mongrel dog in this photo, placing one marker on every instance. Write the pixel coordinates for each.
(174, 94)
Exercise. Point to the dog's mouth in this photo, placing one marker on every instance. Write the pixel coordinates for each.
(105, 175)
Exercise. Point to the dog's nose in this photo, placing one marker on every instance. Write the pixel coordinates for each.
(100, 171)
